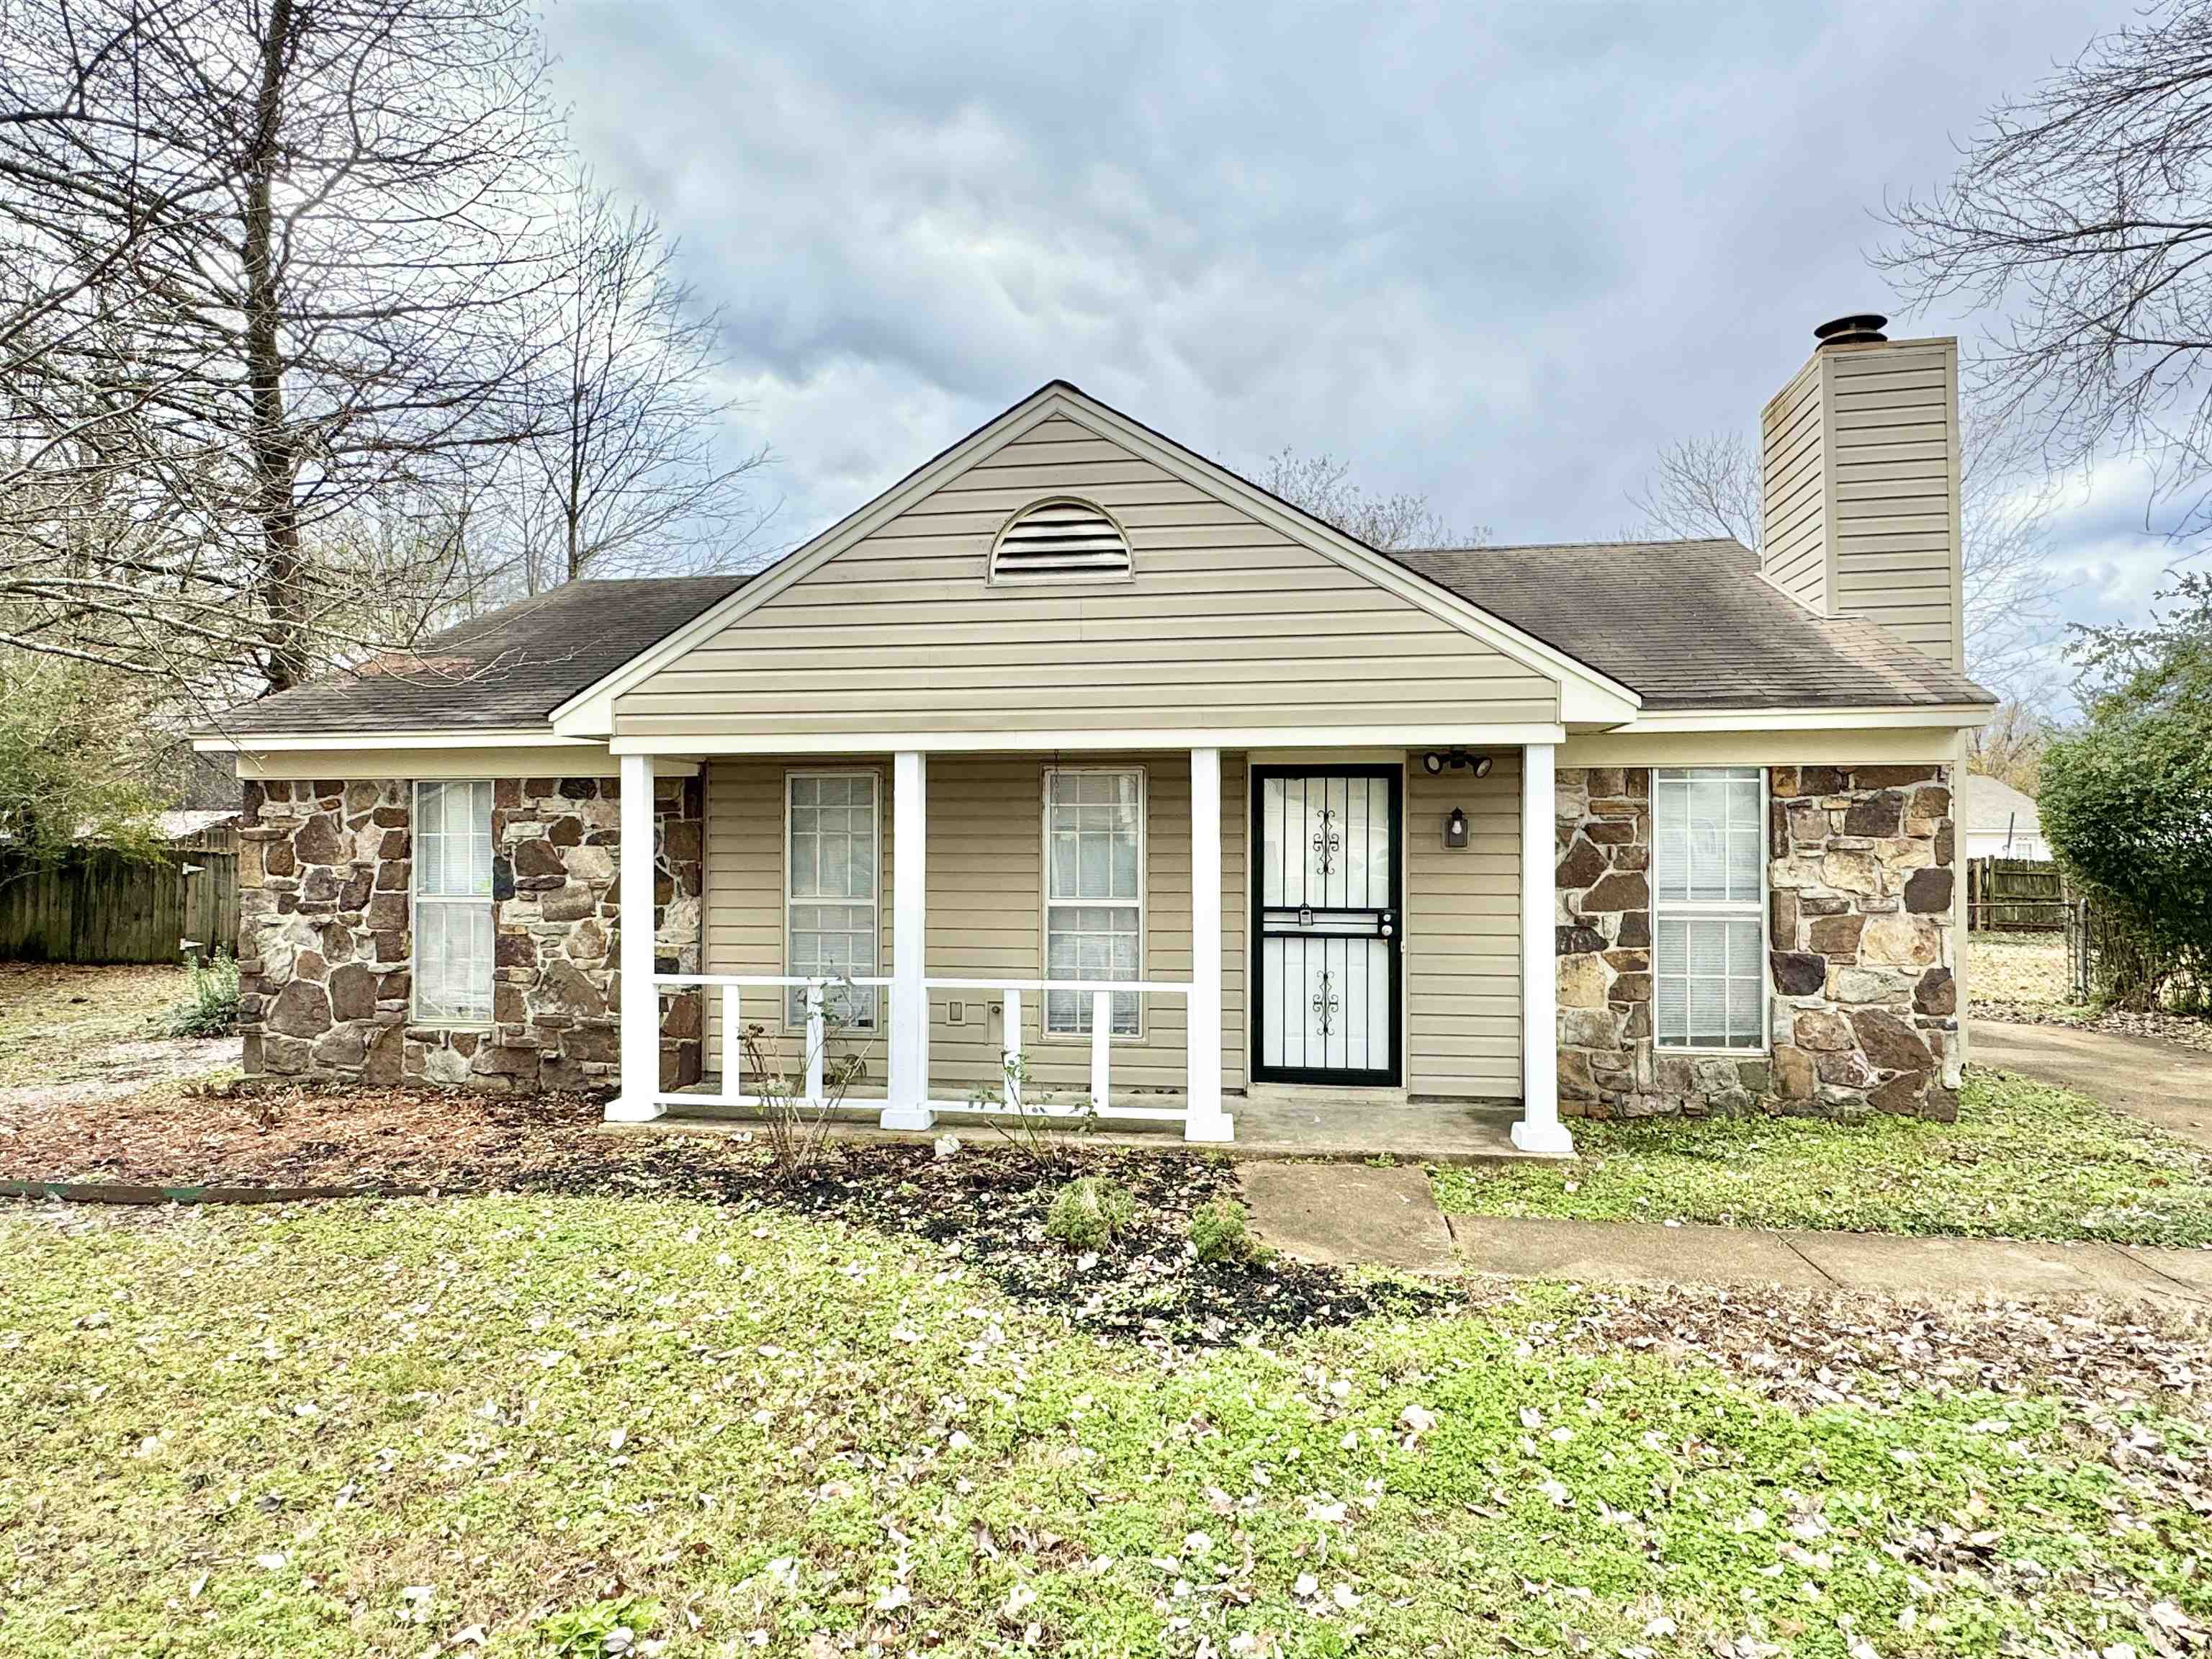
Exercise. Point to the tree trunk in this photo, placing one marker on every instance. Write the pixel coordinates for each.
(283, 581)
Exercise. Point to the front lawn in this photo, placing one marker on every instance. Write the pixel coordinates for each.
(508, 1425)
(2023, 1160)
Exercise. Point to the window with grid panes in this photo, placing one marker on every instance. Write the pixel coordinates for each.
(1708, 907)
(1094, 907)
(453, 902)
(833, 866)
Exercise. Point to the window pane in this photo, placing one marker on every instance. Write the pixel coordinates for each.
(1745, 975)
(833, 868)
(453, 854)
(1708, 851)
(452, 913)
(452, 960)
(1090, 941)
(1671, 988)
(1091, 832)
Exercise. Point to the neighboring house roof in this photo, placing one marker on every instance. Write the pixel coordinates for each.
(1991, 806)
(1692, 625)
(175, 826)
(511, 667)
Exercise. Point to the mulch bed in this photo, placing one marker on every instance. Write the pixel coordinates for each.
(984, 1206)
(2190, 1032)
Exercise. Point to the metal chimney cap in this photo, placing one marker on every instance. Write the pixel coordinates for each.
(1860, 330)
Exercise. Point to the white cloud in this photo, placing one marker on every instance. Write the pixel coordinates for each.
(1499, 257)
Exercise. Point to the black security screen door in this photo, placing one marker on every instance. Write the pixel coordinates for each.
(1325, 900)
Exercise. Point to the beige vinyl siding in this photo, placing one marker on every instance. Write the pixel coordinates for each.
(1894, 411)
(1793, 505)
(1463, 932)
(985, 911)
(1225, 622)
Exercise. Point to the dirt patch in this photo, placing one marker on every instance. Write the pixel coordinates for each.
(2016, 967)
(1878, 1353)
(984, 1204)
(71, 1032)
(2187, 1031)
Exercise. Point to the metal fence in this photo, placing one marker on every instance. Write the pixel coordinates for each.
(98, 906)
(2084, 934)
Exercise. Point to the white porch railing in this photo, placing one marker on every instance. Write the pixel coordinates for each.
(1009, 1099)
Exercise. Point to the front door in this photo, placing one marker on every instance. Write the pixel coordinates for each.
(1325, 898)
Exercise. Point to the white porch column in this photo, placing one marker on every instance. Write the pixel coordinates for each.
(1205, 1119)
(640, 1004)
(907, 1100)
(1539, 1129)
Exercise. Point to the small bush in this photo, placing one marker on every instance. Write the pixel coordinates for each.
(1091, 1213)
(604, 1628)
(1218, 1233)
(209, 1008)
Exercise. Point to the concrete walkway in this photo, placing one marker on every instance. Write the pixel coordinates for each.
(1388, 1218)
(2161, 1083)
(1635, 1253)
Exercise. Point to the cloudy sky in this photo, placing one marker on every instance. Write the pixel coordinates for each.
(1498, 255)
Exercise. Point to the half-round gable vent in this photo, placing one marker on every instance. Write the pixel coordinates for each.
(1058, 541)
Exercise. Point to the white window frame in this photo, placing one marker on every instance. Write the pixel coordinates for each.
(417, 898)
(873, 967)
(1046, 902)
(1754, 910)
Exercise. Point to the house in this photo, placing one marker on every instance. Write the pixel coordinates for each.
(2001, 823)
(1076, 747)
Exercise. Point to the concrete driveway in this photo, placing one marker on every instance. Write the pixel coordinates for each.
(2160, 1082)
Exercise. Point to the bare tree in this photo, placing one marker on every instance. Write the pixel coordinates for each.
(1701, 488)
(2083, 213)
(1711, 487)
(2009, 748)
(621, 468)
(268, 254)
(1323, 486)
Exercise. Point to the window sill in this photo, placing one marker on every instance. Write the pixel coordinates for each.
(1765, 1051)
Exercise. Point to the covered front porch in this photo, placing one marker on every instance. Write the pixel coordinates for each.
(1438, 956)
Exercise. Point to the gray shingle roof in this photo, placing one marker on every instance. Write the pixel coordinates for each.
(1990, 805)
(1692, 625)
(511, 667)
(1687, 624)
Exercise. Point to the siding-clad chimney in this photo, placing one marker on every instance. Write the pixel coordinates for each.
(1859, 496)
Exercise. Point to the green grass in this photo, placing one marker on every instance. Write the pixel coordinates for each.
(2023, 1160)
(377, 1428)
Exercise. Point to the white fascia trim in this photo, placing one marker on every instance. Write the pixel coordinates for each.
(1587, 694)
(1948, 715)
(1395, 737)
(274, 742)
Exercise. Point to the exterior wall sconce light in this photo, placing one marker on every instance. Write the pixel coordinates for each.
(1437, 760)
(1456, 829)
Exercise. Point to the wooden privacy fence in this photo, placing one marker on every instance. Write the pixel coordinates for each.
(2020, 896)
(97, 906)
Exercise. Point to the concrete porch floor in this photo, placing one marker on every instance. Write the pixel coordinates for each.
(1420, 1132)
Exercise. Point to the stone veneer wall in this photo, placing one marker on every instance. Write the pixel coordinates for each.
(325, 948)
(1860, 952)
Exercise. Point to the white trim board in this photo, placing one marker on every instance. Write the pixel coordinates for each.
(538, 737)
(1141, 740)
(1947, 716)
(1586, 693)
(552, 762)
